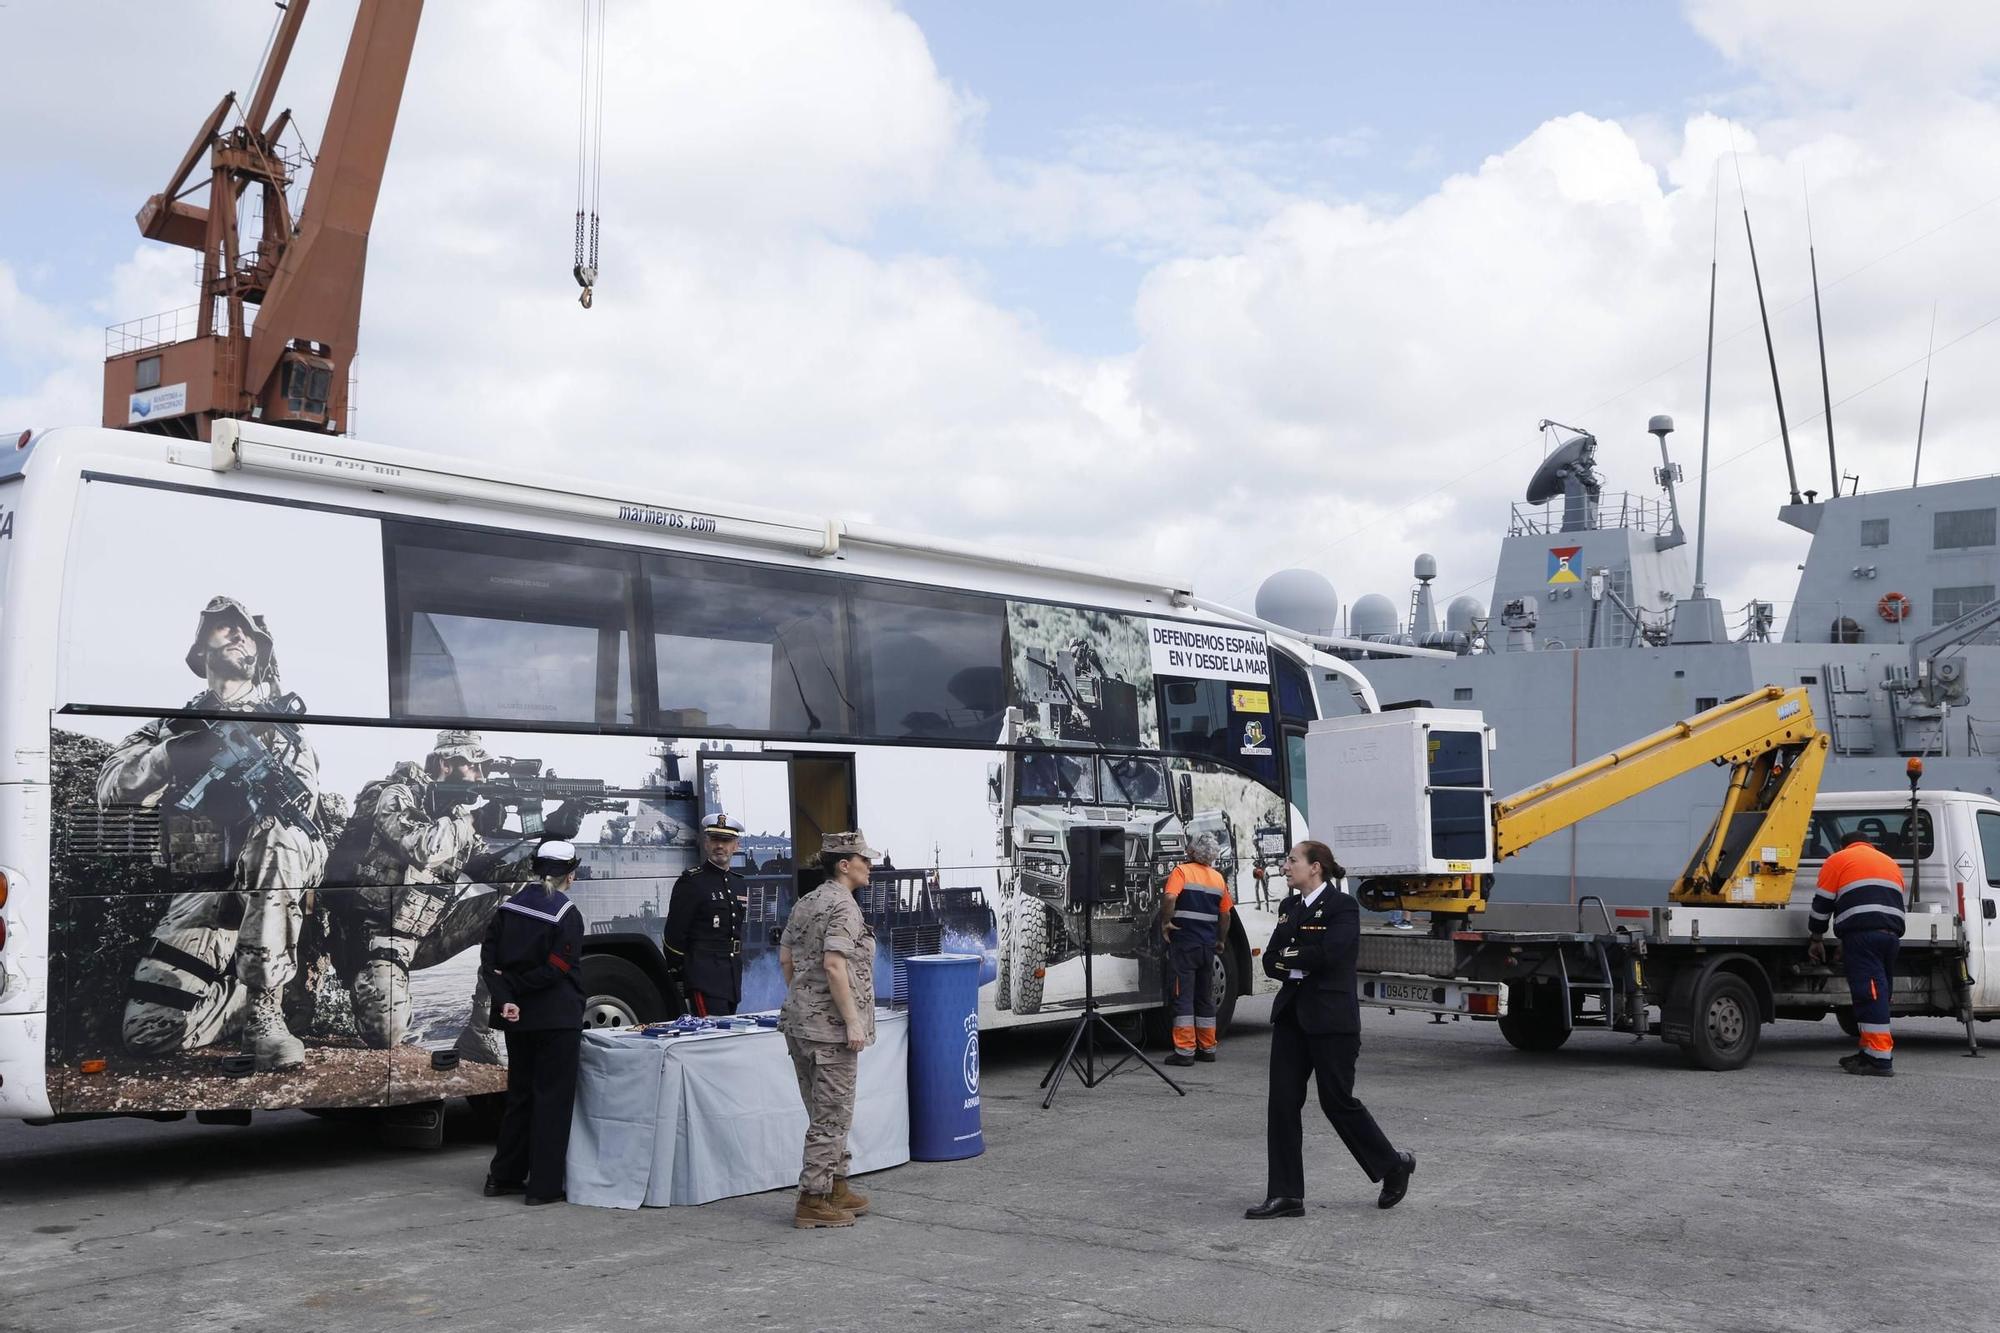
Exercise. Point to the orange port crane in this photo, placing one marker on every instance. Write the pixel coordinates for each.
(273, 335)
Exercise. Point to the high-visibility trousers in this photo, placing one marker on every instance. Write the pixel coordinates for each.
(1870, 957)
(1191, 991)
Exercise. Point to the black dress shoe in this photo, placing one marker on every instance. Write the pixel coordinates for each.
(537, 1200)
(1277, 1208)
(493, 1189)
(1396, 1183)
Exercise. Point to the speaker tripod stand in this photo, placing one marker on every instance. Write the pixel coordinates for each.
(1084, 1035)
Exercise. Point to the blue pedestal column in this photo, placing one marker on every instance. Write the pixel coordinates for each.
(944, 1057)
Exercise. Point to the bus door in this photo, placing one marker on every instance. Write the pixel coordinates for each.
(786, 803)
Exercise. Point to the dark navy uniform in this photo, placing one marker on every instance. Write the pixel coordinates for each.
(532, 957)
(1316, 1033)
(704, 937)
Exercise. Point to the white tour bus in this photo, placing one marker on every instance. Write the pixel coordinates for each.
(245, 867)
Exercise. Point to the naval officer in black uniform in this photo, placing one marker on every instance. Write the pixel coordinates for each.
(532, 961)
(704, 931)
(1316, 1031)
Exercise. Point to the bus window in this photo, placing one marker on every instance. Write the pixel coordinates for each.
(1295, 767)
(1199, 721)
(1294, 691)
(748, 646)
(507, 627)
(928, 663)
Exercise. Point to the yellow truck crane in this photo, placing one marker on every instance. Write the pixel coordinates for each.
(1417, 826)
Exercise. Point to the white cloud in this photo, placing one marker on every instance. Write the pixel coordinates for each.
(1341, 381)
(1852, 49)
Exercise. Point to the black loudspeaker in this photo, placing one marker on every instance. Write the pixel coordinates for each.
(1096, 865)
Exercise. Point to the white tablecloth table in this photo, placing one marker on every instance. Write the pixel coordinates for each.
(713, 1115)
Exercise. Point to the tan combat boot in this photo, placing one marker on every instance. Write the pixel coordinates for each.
(817, 1210)
(265, 1035)
(843, 1197)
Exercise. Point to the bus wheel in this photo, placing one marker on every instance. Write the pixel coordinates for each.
(487, 1109)
(1845, 1017)
(616, 994)
(1726, 1018)
(1225, 982)
(1031, 952)
(1533, 1021)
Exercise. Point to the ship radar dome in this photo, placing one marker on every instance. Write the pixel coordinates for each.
(1458, 617)
(1373, 616)
(1427, 567)
(1300, 599)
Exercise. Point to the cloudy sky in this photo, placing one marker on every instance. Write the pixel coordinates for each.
(1192, 284)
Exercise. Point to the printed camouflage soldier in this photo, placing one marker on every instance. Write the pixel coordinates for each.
(223, 954)
(427, 855)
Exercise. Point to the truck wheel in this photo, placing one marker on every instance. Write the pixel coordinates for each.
(1003, 981)
(616, 994)
(1534, 1020)
(1031, 952)
(1726, 1024)
(1845, 1017)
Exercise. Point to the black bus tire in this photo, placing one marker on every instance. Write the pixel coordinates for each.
(1845, 1017)
(617, 994)
(1226, 981)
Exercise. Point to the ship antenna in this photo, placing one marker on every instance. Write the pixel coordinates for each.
(1819, 328)
(1924, 406)
(1784, 432)
(1707, 388)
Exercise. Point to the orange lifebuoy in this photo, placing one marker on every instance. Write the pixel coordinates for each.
(1894, 607)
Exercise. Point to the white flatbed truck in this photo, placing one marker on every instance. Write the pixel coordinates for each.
(1418, 827)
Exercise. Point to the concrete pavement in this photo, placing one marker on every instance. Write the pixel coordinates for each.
(1601, 1187)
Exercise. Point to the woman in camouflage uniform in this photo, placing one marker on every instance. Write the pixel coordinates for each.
(827, 954)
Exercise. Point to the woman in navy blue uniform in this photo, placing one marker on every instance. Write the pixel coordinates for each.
(1316, 1035)
(532, 962)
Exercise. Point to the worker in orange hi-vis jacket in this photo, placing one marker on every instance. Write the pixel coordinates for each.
(1861, 896)
(1195, 917)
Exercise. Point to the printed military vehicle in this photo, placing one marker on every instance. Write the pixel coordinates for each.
(1038, 796)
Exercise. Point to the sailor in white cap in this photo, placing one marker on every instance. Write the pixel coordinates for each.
(704, 930)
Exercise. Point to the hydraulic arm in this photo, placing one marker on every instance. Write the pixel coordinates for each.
(1750, 853)
(1776, 756)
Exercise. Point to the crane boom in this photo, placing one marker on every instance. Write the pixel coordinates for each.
(279, 312)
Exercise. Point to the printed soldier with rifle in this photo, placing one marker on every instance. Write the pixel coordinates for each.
(238, 802)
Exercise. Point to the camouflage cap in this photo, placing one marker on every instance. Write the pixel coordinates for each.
(847, 844)
(219, 609)
(719, 825)
(467, 745)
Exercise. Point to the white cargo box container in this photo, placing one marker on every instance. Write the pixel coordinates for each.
(1406, 792)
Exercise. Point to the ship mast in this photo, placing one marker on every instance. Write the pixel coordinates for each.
(274, 333)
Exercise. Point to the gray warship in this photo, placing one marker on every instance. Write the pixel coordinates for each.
(1600, 634)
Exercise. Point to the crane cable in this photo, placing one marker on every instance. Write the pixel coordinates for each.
(589, 147)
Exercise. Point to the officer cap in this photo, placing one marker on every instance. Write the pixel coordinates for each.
(719, 825)
(218, 610)
(467, 745)
(848, 844)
